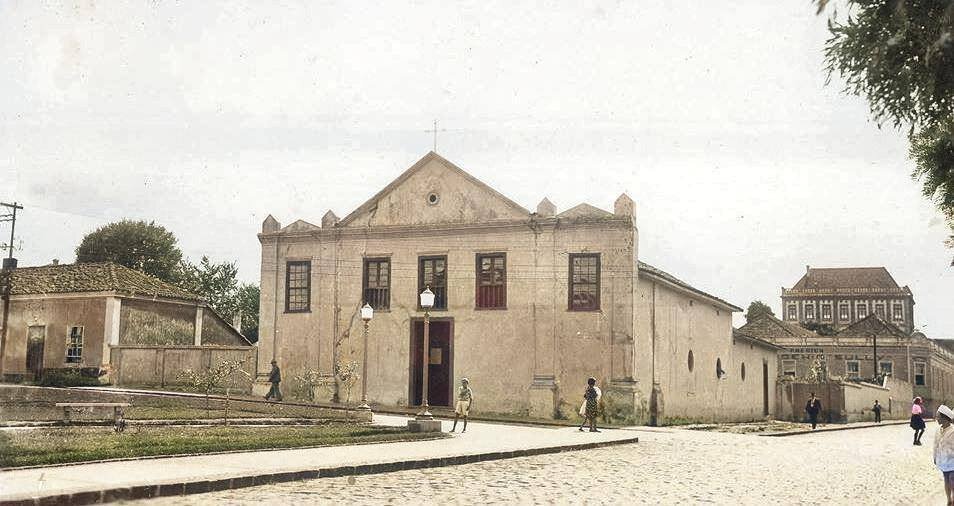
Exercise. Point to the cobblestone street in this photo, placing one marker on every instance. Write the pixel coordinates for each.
(866, 466)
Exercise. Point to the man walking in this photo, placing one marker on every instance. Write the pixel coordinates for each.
(813, 407)
(274, 377)
(877, 411)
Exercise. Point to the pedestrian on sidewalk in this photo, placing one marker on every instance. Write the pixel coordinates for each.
(465, 399)
(589, 409)
(917, 421)
(813, 407)
(274, 377)
(877, 411)
(944, 449)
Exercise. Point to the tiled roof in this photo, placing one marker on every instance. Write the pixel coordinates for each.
(849, 277)
(92, 277)
(644, 267)
(737, 334)
(770, 328)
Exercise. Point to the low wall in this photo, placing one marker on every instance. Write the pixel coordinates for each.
(162, 366)
(845, 402)
(22, 403)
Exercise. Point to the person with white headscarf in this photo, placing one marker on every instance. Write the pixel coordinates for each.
(944, 449)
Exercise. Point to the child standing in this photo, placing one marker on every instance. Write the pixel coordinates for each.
(465, 397)
(944, 449)
(917, 421)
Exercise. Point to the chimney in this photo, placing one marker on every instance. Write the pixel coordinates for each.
(56, 261)
(808, 269)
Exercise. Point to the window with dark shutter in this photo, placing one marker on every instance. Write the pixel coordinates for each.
(584, 289)
(491, 281)
(432, 273)
(298, 287)
(377, 282)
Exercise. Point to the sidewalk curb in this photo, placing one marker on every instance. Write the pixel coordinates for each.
(204, 486)
(835, 429)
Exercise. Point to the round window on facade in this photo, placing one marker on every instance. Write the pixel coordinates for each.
(743, 371)
(433, 198)
(690, 361)
(719, 371)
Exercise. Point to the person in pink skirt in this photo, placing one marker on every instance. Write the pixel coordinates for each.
(917, 420)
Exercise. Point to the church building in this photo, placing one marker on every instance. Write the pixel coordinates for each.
(528, 305)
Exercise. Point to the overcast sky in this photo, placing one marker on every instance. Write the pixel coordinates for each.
(714, 117)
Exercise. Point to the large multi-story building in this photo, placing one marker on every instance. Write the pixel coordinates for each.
(839, 297)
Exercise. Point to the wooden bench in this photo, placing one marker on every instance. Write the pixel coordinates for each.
(118, 419)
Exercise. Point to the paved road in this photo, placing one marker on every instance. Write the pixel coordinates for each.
(865, 466)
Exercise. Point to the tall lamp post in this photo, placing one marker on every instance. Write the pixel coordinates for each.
(367, 312)
(427, 302)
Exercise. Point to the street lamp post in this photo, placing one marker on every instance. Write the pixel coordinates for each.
(427, 302)
(367, 312)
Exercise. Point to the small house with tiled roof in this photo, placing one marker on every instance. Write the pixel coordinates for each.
(86, 315)
(838, 297)
(527, 305)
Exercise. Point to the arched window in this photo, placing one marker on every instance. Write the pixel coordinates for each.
(743, 371)
(691, 362)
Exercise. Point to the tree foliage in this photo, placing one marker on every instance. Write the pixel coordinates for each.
(145, 247)
(756, 309)
(899, 55)
(218, 284)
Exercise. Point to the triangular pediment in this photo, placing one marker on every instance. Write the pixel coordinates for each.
(584, 211)
(871, 325)
(300, 226)
(434, 191)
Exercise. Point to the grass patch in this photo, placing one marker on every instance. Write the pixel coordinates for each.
(748, 428)
(81, 444)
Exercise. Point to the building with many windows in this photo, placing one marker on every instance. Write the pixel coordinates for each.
(527, 305)
(838, 297)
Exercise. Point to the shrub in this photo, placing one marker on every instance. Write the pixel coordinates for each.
(79, 377)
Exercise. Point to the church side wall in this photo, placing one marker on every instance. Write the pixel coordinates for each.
(683, 324)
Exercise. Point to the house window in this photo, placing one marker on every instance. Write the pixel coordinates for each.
(826, 312)
(792, 312)
(898, 313)
(432, 273)
(788, 368)
(377, 282)
(919, 369)
(862, 311)
(298, 287)
(74, 346)
(886, 368)
(843, 312)
(809, 312)
(852, 369)
(879, 310)
(491, 281)
(584, 282)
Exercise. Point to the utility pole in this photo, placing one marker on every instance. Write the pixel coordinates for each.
(6, 277)
(874, 340)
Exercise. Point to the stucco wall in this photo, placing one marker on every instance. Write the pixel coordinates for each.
(163, 366)
(681, 323)
(58, 315)
(156, 323)
(500, 351)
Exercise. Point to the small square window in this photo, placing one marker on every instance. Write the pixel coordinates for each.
(862, 311)
(792, 312)
(826, 312)
(584, 285)
(788, 368)
(809, 312)
(852, 369)
(843, 313)
(919, 376)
